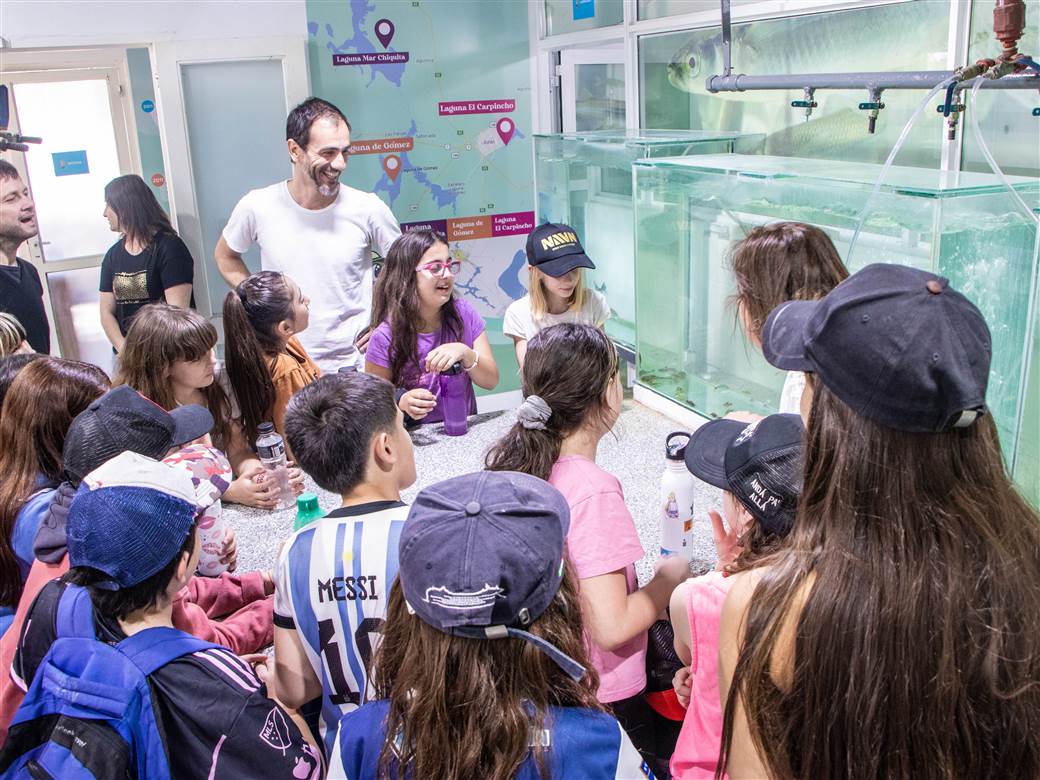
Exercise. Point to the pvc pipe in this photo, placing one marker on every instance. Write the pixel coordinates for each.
(925, 79)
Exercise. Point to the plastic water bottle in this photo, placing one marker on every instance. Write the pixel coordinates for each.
(454, 401)
(271, 448)
(307, 509)
(677, 493)
(212, 532)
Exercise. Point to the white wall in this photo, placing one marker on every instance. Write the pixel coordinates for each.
(60, 23)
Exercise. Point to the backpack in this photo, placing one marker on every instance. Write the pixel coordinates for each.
(88, 713)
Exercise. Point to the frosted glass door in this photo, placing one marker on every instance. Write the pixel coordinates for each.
(222, 107)
(226, 165)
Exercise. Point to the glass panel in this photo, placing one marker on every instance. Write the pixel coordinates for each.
(689, 211)
(674, 67)
(585, 180)
(146, 118)
(599, 96)
(1005, 116)
(69, 170)
(74, 301)
(236, 146)
(654, 9)
(565, 16)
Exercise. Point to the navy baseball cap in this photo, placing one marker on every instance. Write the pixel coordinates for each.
(555, 249)
(760, 464)
(123, 419)
(130, 517)
(896, 344)
(482, 556)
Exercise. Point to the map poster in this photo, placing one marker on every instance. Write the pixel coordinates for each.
(439, 98)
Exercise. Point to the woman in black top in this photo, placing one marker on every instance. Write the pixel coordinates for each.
(149, 263)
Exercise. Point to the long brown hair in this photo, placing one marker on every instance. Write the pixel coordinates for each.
(916, 654)
(140, 216)
(159, 336)
(39, 408)
(570, 367)
(251, 312)
(396, 301)
(464, 708)
(784, 261)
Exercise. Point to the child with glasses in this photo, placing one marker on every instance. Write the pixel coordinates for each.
(421, 330)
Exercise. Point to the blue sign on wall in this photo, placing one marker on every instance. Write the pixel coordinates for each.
(70, 163)
(584, 9)
(148, 106)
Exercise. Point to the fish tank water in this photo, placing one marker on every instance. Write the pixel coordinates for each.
(585, 180)
(689, 211)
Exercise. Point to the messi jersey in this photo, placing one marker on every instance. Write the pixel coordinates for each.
(579, 742)
(332, 583)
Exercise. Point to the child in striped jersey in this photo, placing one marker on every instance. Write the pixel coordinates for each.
(333, 575)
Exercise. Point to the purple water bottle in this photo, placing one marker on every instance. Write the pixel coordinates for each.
(454, 400)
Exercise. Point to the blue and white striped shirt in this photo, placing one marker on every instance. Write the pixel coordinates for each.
(331, 585)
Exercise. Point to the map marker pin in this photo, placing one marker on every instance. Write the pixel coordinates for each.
(505, 129)
(385, 31)
(392, 166)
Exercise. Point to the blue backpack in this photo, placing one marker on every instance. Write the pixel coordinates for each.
(88, 713)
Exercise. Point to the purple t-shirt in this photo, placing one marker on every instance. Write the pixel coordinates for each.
(379, 353)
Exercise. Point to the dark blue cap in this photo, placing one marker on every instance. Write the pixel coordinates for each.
(898, 345)
(760, 464)
(554, 249)
(130, 517)
(482, 556)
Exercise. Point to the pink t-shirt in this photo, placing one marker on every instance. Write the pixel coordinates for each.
(697, 751)
(602, 539)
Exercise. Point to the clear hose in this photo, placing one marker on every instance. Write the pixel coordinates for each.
(892, 156)
(974, 119)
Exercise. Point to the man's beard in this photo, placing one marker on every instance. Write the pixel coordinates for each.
(325, 188)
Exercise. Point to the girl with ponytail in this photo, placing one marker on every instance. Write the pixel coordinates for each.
(264, 362)
(572, 398)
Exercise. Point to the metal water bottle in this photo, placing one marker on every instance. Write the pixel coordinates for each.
(454, 400)
(677, 493)
(270, 447)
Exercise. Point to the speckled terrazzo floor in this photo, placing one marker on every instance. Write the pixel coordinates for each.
(635, 454)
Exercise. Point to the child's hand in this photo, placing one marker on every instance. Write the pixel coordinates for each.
(441, 358)
(727, 542)
(681, 684)
(250, 489)
(417, 403)
(229, 552)
(361, 342)
(295, 478)
(268, 578)
(674, 567)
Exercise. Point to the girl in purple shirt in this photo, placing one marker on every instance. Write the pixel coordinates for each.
(420, 329)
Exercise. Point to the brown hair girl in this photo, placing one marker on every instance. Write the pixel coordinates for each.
(434, 703)
(570, 368)
(784, 261)
(160, 336)
(38, 410)
(912, 578)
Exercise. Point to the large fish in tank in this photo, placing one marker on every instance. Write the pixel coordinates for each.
(907, 36)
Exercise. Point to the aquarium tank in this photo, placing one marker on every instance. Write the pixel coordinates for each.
(585, 180)
(689, 211)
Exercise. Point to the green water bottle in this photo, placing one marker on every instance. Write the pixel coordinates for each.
(307, 509)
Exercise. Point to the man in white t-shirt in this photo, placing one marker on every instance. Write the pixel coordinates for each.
(319, 232)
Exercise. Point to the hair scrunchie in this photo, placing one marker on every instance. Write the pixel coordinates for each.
(533, 413)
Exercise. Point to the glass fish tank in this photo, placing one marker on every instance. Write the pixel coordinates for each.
(585, 180)
(689, 212)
